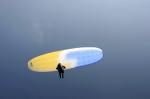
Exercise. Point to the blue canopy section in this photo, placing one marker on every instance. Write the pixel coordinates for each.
(85, 57)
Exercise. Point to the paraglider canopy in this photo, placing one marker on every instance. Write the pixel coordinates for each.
(70, 58)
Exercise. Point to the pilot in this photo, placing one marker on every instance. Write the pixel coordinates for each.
(60, 68)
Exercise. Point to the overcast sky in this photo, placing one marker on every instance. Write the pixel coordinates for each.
(121, 28)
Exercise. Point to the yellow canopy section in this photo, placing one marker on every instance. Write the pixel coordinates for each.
(45, 63)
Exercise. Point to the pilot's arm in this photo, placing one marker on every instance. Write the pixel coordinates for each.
(63, 67)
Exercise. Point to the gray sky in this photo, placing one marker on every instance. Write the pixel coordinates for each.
(121, 28)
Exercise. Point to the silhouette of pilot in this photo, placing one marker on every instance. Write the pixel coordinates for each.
(60, 68)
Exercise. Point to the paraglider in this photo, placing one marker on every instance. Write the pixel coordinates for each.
(60, 68)
(70, 58)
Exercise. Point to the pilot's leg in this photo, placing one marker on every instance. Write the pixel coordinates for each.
(62, 75)
(59, 74)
